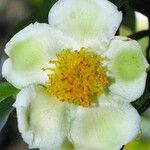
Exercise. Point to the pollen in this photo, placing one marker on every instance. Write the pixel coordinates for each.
(78, 77)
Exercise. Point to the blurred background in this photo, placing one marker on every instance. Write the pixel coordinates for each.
(16, 14)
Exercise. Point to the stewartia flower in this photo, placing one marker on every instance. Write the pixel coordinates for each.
(76, 79)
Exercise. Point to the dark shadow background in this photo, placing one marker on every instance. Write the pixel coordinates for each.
(11, 13)
(16, 14)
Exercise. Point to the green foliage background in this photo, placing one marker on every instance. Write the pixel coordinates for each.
(39, 12)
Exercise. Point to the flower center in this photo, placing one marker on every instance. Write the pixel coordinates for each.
(78, 77)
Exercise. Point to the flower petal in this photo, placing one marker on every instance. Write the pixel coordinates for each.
(42, 120)
(127, 66)
(30, 50)
(84, 19)
(107, 127)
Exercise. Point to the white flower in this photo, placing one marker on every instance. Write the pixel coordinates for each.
(76, 79)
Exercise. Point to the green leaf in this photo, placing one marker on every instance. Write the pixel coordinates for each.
(138, 144)
(7, 90)
(5, 110)
(36, 3)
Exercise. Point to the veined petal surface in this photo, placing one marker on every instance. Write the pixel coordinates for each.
(127, 66)
(29, 51)
(42, 120)
(107, 127)
(86, 20)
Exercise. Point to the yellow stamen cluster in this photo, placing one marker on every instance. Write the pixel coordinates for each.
(78, 77)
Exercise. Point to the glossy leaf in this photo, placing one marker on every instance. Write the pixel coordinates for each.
(5, 110)
(7, 90)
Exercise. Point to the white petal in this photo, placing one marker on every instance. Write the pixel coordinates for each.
(107, 127)
(127, 66)
(86, 19)
(30, 50)
(22, 78)
(42, 120)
